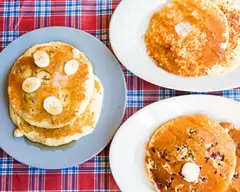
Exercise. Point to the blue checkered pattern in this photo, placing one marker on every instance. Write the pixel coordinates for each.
(73, 8)
(42, 8)
(11, 8)
(103, 7)
(8, 37)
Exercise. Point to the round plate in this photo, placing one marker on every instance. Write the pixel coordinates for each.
(105, 66)
(127, 150)
(127, 29)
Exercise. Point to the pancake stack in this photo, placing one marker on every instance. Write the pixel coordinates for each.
(195, 37)
(54, 97)
(194, 153)
(234, 132)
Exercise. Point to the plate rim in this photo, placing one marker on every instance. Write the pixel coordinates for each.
(155, 82)
(123, 127)
(121, 73)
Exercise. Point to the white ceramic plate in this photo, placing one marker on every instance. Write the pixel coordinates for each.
(127, 28)
(127, 150)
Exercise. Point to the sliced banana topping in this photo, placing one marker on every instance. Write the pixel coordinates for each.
(17, 133)
(71, 67)
(52, 105)
(76, 52)
(41, 58)
(31, 84)
(44, 77)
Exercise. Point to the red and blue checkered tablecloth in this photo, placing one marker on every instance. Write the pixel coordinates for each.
(93, 16)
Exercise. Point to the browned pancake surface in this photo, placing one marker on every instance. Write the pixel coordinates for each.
(85, 120)
(194, 138)
(233, 17)
(200, 50)
(234, 132)
(71, 90)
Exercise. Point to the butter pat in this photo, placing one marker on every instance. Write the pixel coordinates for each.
(190, 172)
(183, 28)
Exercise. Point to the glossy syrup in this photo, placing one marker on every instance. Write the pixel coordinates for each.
(48, 148)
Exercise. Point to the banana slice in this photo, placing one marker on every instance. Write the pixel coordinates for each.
(44, 77)
(41, 58)
(31, 84)
(75, 52)
(64, 96)
(52, 105)
(71, 67)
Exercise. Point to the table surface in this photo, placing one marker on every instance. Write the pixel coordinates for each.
(92, 16)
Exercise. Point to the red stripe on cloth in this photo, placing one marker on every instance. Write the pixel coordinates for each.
(88, 22)
(20, 182)
(58, 20)
(26, 23)
(112, 183)
(53, 181)
(86, 181)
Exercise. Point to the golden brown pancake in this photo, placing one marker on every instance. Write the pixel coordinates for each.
(234, 132)
(197, 139)
(194, 53)
(231, 57)
(74, 91)
(82, 126)
(233, 17)
(223, 2)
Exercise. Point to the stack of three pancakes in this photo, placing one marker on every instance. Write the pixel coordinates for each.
(54, 97)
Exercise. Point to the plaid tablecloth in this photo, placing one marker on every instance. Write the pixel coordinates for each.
(93, 16)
